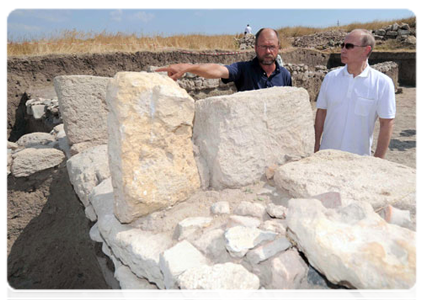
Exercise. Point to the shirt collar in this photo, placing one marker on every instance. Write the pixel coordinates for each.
(257, 65)
(365, 72)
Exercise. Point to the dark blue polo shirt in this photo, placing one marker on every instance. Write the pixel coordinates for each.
(248, 75)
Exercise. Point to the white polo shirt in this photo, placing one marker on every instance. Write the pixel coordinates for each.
(353, 106)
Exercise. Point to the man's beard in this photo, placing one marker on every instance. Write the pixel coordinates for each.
(267, 61)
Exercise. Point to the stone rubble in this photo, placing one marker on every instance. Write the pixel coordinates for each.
(252, 235)
(402, 32)
(352, 245)
(35, 152)
(43, 109)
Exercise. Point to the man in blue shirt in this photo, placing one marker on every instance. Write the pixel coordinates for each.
(261, 72)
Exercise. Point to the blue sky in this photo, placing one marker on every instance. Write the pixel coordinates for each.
(35, 23)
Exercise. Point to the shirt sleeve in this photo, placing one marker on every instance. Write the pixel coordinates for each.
(386, 107)
(235, 71)
(322, 99)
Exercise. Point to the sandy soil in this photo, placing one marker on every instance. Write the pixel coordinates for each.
(48, 242)
(48, 235)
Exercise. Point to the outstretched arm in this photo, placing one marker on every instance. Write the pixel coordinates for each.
(318, 127)
(204, 70)
(385, 132)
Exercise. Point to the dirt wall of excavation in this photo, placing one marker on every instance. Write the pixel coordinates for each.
(33, 76)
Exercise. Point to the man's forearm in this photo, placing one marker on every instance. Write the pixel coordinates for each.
(210, 71)
(385, 133)
(318, 127)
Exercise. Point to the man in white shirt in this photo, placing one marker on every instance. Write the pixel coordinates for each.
(352, 98)
(248, 29)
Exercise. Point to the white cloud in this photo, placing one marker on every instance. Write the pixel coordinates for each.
(143, 16)
(116, 15)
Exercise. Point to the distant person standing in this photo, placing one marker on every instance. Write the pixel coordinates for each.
(248, 30)
(352, 98)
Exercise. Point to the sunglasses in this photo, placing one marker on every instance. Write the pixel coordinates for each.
(350, 46)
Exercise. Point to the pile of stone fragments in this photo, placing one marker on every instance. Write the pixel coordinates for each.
(246, 42)
(225, 192)
(402, 32)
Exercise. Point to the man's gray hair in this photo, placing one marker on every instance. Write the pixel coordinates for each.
(367, 39)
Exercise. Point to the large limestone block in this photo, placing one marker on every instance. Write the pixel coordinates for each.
(82, 104)
(32, 160)
(239, 135)
(363, 178)
(87, 169)
(150, 149)
(352, 245)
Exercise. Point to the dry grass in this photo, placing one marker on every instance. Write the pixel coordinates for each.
(74, 42)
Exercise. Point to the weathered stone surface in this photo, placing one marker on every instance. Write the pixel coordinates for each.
(246, 208)
(240, 239)
(12, 145)
(240, 135)
(329, 199)
(288, 270)
(36, 140)
(82, 103)
(150, 149)
(139, 250)
(268, 250)
(189, 226)
(276, 225)
(87, 169)
(129, 280)
(276, 211)
(353, 245)
(220, 208)
(32, 160)
(178, 259)
(348, 174)
(243, 221)
(219, 277)
(212, 245)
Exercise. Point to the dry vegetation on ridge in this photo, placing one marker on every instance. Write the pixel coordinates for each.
(73, 42)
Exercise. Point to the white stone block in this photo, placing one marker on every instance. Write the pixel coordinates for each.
(191, 225)
(87, 169)
(178, 259)
(353, 245)
(150, 150)
(32, 160)
(268, 250)
(241, 134)
(82, 104)
(251, 209)
(240, 239)
(220, 208)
